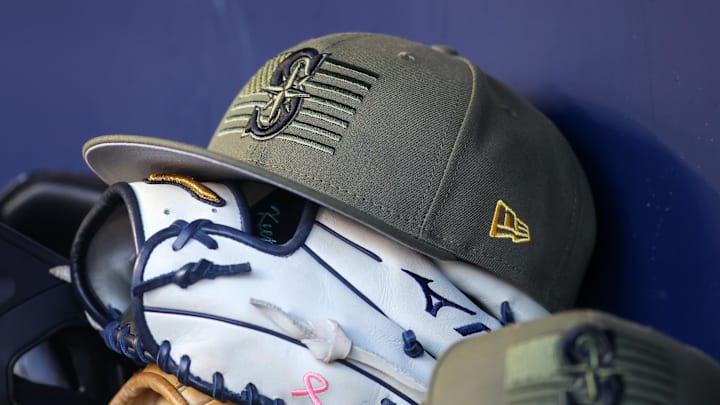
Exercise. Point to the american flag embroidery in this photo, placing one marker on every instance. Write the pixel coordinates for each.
(304, 97)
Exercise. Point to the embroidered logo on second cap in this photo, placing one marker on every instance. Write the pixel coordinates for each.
(287, 91)
(506, 224)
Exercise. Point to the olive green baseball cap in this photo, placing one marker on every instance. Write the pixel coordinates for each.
(574, 357)
(411, 140)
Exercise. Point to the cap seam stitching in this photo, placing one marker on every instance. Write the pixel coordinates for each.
(451, 173)
(410, 221)
(436, 165)
(425, 217)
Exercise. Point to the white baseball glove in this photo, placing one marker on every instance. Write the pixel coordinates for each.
(253, 295)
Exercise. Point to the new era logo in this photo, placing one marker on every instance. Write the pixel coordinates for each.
(506, 224)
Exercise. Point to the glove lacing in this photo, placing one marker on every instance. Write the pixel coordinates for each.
(325, 339)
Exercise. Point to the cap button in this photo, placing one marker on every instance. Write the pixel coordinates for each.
(444, 49)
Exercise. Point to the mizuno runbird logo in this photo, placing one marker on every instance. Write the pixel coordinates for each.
(506, 224)
(287, 92)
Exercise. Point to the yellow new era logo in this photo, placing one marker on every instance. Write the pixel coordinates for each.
(506, 224)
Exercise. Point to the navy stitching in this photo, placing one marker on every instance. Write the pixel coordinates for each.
(242, 206)
(190, 274)
(123, 343)
(107, 334)
(303, 230)
(411, 346)
(218, 318)
(378, 381)
(106, 205)
(140, 351)
(218, 387)
(115, 337)
(349, 242)
(192, 230)
(127, 194)
(476, 327)
(115, 313)
(506, 314)
(250, 394)
(162, 352)
(183, 369)
(163, 357)
(339, 277)
(207, 387)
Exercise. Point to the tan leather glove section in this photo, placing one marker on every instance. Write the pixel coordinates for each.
(152, 386)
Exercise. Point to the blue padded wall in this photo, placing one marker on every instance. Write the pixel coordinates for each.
(634, 85)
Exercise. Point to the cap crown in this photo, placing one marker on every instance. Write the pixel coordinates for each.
(426, 148)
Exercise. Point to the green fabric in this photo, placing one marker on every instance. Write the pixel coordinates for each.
(524, 364)
(532, 361)
(412, 141)
(430, 149)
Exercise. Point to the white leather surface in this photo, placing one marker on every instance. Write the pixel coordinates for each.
(162, 204)
(303, 289)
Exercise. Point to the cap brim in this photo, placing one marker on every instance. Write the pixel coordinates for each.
(127, 158)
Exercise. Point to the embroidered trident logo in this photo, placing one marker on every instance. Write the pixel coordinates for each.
(287, 92)
(588, 355)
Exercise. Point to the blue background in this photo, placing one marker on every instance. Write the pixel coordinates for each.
(634, 85)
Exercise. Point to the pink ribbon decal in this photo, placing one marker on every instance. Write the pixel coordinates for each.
(310, 390)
